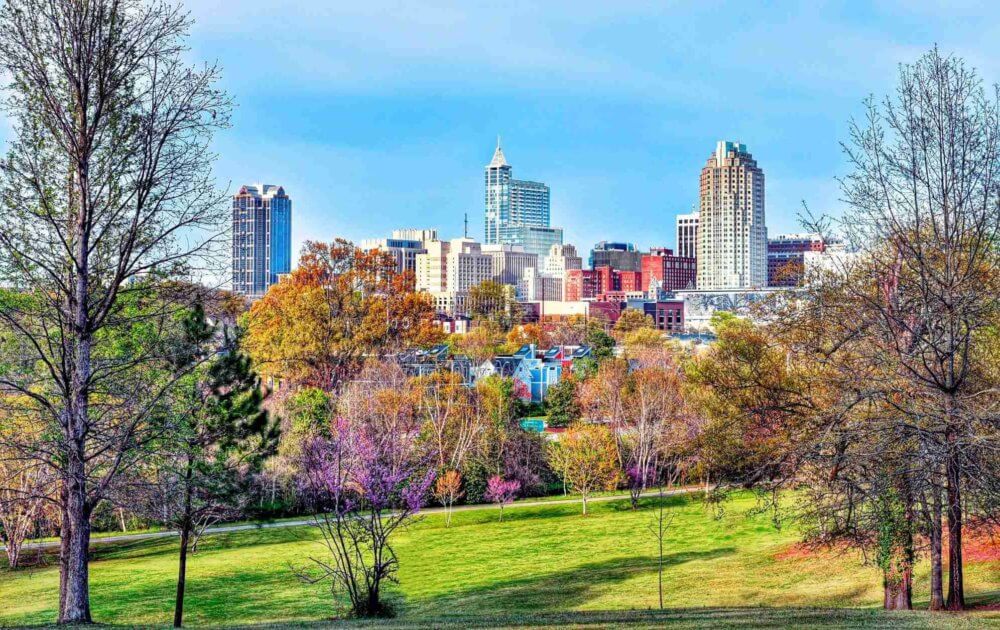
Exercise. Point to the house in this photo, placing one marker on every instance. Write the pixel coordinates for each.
(534, 376)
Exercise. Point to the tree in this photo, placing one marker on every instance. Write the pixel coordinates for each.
(923, 197)
(656, 423)
(448, 413)
(363, 485)
(25, 495)
(659, 527)
(585, 457)
(602, 398)
(483, 342)
(447, 490)
(494, 302)
(631, 320)
(562, 401)
(501, 491)
(452, 428)
(802, 402)
(602, 345)
(106, 193)
(643, 339)
(340, 306)
(524, 334)
(222, 435)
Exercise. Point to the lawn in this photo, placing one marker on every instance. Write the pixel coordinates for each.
(545, 565)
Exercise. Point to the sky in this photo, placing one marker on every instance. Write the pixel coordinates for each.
(377, 115)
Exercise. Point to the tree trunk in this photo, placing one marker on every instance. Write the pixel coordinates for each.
(899, 592)
(584, 503)
(937, 581)
(956, 590)
(185, 540)
(75, 578)
(181, 577)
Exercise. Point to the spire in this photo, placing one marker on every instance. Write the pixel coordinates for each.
(498, 159)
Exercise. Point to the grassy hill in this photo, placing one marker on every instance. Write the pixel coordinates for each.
(545, 565)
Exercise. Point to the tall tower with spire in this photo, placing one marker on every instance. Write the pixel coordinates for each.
(513, 206)
(498, 178)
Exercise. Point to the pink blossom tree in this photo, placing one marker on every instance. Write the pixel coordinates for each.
(363, 485)
(501, 491)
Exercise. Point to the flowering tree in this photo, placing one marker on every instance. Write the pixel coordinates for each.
(501, 491)
(362, 485)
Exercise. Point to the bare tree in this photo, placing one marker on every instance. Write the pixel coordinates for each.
(925, 205)
(660, 526)
(107, 193)
(25, 495)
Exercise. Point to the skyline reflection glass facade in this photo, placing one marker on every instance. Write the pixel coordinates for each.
(262, 238)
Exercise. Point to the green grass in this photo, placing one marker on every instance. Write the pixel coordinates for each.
(543, 565)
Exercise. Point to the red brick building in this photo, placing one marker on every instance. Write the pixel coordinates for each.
(786, 256)
(667, 316)
(674, 273)
(591, 284)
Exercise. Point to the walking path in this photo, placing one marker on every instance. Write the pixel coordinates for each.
(225, 529)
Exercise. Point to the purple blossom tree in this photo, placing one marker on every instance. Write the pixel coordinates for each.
(501, 491)
(362, 485)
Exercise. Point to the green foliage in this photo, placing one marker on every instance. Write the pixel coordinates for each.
(601, 344)
(474, 479)
(309, 412)
(562, 402)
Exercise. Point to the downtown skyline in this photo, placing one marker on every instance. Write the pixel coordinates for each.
(375, 119)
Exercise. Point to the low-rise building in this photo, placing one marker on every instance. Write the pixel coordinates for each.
(668, 271)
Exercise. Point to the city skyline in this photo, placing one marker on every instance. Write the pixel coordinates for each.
(392, 127)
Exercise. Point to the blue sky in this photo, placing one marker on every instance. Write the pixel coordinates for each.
(378, 115)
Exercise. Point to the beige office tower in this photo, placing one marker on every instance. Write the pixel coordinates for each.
(732, 237)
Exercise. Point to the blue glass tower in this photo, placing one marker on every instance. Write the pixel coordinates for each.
(262, 238)
(512, 204)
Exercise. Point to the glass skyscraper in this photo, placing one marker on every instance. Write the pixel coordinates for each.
(512, 204)
(262, 238)
(533, 238)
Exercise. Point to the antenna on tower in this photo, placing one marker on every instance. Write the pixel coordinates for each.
(466, 225)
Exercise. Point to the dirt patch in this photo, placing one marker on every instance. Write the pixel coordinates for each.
(979, 544)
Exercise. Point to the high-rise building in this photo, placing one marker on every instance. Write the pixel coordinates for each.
(404, 245)
(669, 272)
(468, 266)
(262, 238)
(535, 286)
(687, 235)
(448, 269)
(732, 237)
(560, 259)
(512, 203)
(535, 239)
(509, 262)
(786, 257)
(620, 256)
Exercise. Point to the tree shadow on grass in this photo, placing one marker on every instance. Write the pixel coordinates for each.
(670, 501)
(564, 589)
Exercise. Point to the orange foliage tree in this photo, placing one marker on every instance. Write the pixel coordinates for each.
(340, 305)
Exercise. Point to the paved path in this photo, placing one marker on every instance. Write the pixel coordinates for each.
(223, 529)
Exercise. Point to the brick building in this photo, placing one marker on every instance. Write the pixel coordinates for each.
(673, 273)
